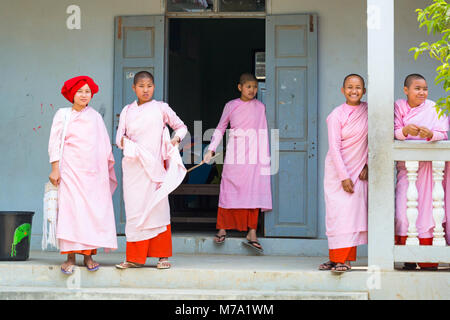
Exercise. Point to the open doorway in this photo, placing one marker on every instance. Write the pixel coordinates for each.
(206, 57)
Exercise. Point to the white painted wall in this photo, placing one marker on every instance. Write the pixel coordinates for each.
(38, 53)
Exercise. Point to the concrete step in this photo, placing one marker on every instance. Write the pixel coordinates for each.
(216, 277)
(52, 293)
(200, 272)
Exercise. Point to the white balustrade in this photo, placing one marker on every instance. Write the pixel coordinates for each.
(438, 203)
(412, 196)
(413, 152)
(438, 194)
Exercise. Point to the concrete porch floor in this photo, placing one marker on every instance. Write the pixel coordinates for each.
(224, 277)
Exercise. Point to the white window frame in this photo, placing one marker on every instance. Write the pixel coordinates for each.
(216, 13)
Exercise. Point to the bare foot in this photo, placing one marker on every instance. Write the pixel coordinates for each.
(90, 264)
(220, 236)
(341, 267)
(163, 263)
(69, 264)
(327, 265)
(251, 236)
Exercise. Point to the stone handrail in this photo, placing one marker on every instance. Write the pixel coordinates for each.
(412, 152)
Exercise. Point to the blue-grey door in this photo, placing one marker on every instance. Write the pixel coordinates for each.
(291, 102)
(138, 45)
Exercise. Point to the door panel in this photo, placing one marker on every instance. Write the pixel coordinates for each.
(291, 104)
(138, 46)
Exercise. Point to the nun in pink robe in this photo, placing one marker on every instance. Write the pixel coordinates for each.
(152, 168)
(85, 215)
(447, 201)
(446, 183)
(246, 174)
(245, 180)
(424, 115)
(346, 213)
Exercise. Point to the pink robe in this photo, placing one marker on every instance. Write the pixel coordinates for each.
(245, 180)
(447, 202)
(346, 213)
(423, 115)
(152, 166)
(85, 215)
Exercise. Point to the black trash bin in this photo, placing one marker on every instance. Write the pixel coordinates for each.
(15, 235)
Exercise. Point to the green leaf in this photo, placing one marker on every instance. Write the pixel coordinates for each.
(436, 18)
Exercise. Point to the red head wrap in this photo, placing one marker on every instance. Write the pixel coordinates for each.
(71, 86)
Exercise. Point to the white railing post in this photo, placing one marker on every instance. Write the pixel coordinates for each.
(380, 52)
(438, 203)
(412, 196)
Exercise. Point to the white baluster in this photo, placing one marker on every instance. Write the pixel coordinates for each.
(438, 203)
(411, 196)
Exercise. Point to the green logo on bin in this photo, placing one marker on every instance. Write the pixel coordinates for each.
(22, 231)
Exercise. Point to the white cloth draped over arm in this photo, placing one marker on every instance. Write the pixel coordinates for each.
(171, 118)
(54, 143)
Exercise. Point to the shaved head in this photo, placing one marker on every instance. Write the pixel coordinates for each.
(247, 77)
(354, 75)
(142, 75)
(410, 78)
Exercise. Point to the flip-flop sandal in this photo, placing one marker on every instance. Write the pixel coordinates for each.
(92, 269)
(327, 266)
(128, 264)
(252, 245)
(165, 264)
(69, 270)
(341, 265)
(220, 241)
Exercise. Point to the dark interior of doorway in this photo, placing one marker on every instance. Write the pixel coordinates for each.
(206, 58)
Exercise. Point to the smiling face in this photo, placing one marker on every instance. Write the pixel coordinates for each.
(144, 89)
(248, 90)
(353, 90)
(417, 92)
(83, 96)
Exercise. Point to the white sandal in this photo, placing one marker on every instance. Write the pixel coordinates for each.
(164, 264)
(128, 264)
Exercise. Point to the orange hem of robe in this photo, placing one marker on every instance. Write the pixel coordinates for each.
(157, 247)
(401, 241)
(90, 252)
(237, 219)
(342, 254)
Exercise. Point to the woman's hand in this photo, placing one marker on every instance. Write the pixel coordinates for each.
(175, 141)
(411, 129)
(121, 141)
(424, 132)
(347, 184)
(364, 173)
(208, 156)
(55, 176)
